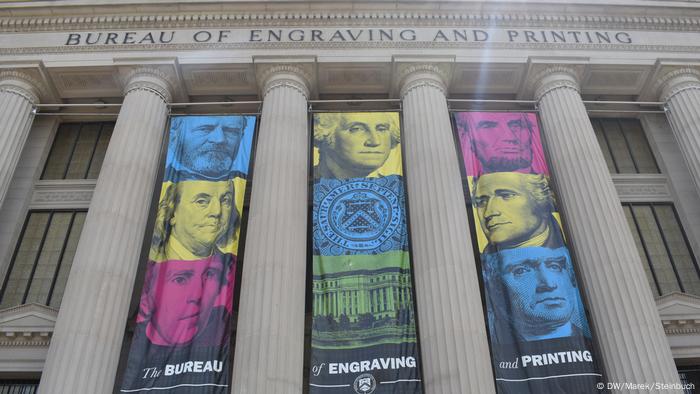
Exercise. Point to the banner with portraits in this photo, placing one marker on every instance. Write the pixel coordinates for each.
(181, 340)
(363, 337)
(539, 334)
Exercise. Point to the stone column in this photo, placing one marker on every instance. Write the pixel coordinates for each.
(87, 339)
(680, 90)
(454, 346)
(18, 94)
(624, 315)
(269, 353)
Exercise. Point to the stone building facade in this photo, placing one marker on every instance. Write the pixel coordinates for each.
(616, 86)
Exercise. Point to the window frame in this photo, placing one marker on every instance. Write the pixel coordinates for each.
(35, 264)
(645, 189)
(665, 242)
(597, 124)
(53, 195)
(103, 125)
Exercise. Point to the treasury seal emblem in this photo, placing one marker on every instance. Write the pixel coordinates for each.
(360, 215)
(364, 384)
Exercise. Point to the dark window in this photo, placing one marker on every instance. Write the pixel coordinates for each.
(625, 147)
(664, 248)
(18, 386)
(78, 151)
(42, 259)
(690, 377)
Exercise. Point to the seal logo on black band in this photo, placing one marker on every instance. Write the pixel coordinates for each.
(364, 384)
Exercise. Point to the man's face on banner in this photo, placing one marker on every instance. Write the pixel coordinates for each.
(362, 141)
(210, 144)
(185, 293)
(507, 210)
(202, 214)
(502, 141)
(539, 285)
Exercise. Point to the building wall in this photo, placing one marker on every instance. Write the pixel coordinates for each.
(17, 202)
(685, 195)
(39, 39)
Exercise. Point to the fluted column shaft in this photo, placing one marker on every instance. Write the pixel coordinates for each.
(269, 353)
(681, 92)
(17, 97)
(87, 339)
(453, 339)
(624, 315)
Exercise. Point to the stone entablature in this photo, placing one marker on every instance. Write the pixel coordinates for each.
(75, 14)
(408, 34)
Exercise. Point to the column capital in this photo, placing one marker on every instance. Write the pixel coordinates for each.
(297, 76)
(413, 75)
(151, 79)
(676, 81)
(553, 77)
(22, 84)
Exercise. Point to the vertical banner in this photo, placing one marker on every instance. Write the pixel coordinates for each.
(181, 340)
(540, 337)
(363, 336)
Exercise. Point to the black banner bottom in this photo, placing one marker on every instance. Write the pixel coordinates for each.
(380, 369)
(564, 365)
(201, 370)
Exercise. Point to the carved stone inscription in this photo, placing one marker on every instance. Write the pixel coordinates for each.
(350, 35)
(341, 36)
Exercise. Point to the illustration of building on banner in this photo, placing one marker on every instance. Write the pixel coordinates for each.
(182, 330)
(364, 328)
(541, 341)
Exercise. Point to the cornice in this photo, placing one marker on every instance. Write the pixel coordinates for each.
(347, 45)
(685, 329)
(73, 194)
(21, 339)
(642, 187)
(681, 326)
(348, 18)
